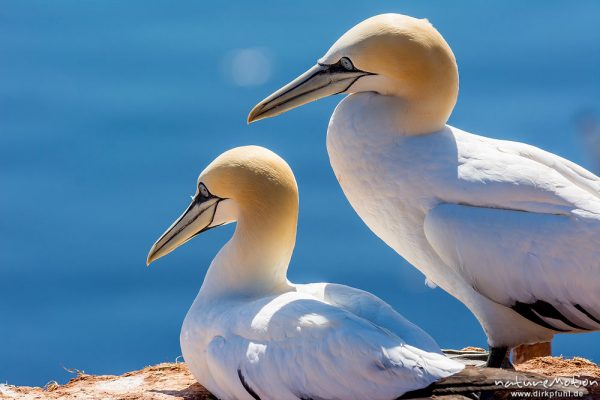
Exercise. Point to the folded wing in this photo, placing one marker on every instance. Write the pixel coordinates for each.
(300, 347)
(546, 267)
(522, 226)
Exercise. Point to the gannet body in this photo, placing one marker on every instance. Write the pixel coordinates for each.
(510, 230)
(251, 333)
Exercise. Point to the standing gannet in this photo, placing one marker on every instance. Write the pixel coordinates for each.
(510, 230)
(251, 333)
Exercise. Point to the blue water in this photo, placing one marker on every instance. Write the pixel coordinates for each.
(109, 110)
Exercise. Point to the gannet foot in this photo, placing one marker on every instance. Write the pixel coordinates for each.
(498, 357)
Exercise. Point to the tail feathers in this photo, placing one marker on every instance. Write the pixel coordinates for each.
(474, 379)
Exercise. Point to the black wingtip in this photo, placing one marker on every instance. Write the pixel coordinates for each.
(250, 391)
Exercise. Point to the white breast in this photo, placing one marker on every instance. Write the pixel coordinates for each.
(389, 180)
(375, 166)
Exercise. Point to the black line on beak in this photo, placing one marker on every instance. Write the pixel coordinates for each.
(353, 82)
(212, 218)
(293, 88)
(326, 69)
(196, 201)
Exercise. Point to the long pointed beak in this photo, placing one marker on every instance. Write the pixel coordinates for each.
(197, 218)
(318, 82)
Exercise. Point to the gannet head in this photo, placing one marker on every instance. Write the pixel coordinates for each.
(248, 181)
(391, 54)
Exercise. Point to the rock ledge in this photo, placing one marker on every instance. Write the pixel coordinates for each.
(173, 381)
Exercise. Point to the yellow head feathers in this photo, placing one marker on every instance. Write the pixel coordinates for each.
(248, 175)
(390, 54)
(250, 185)
(401, 48)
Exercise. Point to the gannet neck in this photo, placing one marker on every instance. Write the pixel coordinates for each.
(265, 196)
(256, 259)
(428, 100)
(425, 106)
(404, 115)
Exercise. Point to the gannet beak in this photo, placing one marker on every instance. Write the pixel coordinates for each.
(198, 218)
(320, 81)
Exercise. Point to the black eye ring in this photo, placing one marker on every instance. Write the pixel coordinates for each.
(203, 190)
(346, 64)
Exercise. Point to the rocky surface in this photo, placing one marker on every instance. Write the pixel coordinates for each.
(159, 382)
(174, 382)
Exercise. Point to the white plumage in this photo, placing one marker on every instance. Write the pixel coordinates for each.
(495, 223)
(510, 230)
(314, 341)
(250, 333)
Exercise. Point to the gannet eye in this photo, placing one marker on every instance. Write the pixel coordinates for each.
(346, 63)
(203, 190)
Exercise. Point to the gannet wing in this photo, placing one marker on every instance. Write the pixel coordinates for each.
(544, 266)
(371, 308)
(515, 176)
(300, 347)
(577, 176)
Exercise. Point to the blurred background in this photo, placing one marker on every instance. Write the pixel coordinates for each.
(109, 110)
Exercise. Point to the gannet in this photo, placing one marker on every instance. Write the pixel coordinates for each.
(251, 333)
(510, 230)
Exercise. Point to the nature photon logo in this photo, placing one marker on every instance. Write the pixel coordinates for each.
(543, 388)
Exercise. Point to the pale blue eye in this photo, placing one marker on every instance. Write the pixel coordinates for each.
(346, 63)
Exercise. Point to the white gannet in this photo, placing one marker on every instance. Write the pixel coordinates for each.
(510, 230)
(251, 333)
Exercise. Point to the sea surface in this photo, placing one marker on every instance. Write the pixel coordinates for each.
(110, 109)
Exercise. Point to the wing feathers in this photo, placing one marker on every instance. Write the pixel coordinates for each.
(328, 353)
(541, 265)
(575, 174)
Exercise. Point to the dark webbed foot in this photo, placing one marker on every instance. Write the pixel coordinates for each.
(506, 364)
(497, 357)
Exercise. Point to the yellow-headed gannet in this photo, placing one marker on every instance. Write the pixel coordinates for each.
(510, 230)
(251, 333)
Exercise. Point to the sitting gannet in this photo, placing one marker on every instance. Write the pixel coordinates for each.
(510, 230)
(251, 333)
